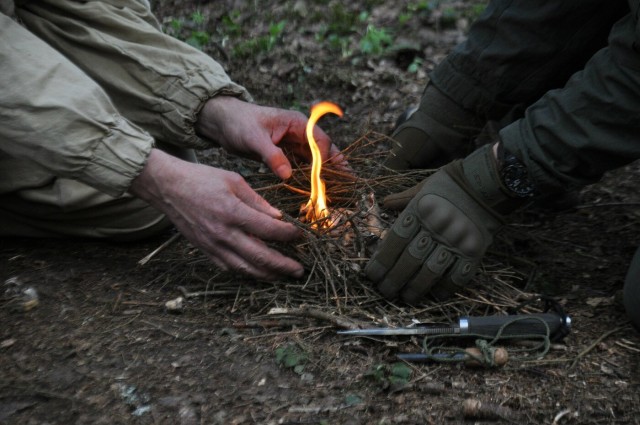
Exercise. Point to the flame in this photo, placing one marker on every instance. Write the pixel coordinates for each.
(316, 208)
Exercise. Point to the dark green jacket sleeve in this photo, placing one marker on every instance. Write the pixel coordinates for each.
(573, 135)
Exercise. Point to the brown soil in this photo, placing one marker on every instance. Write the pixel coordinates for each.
(100, 347)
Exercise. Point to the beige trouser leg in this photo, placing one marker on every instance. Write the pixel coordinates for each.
(67, 208)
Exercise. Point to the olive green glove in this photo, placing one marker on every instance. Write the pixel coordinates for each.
(399, 201)
(438, 241)
(438, 131)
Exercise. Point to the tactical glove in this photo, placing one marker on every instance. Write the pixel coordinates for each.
(437, 132)
(438, 241)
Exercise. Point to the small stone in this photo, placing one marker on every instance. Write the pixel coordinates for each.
(7, 343)
(175, 305)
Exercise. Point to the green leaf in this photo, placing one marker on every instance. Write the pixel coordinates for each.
(291, 357)
(401, 371)
(197, 17)
(375, 40)
(352, 400)
(176, 24)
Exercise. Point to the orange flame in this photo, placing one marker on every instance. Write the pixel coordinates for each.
(316, 208)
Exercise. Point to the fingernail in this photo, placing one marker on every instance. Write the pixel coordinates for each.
(299, 273)
(283, 171)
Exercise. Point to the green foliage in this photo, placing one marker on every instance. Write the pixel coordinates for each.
(449, 11)
(192, 31)
(352, 400)
(230, 25)
(197, 17)
(261, 44)
(375, 41)
(475, 10)
(341, 44)
(423, 6)
(199, 39)
(176, 25)
(390, 376)
(415, 65)
(291, 357)
(342, 21)
(449, 16)
(342, 25)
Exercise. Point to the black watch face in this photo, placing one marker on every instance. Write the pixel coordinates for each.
(516, 179)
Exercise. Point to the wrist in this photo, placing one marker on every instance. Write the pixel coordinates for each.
(147, 184)
(484, 174)
(212, 117)
(513, 173)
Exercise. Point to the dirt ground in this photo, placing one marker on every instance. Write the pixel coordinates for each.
(86, 337)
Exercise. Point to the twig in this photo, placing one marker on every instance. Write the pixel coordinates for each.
(594, 344)
(306, 311)
(171, 240)
(560, 415)
(473, 408)
(265, 323)
(160, 328)
(196, 294)
(608, 204)
(296, 331)
(314, 410)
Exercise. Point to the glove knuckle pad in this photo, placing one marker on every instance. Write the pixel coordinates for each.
(444, 219)
(463, 271)
(439, 260)
(406, 225)
(421, 245)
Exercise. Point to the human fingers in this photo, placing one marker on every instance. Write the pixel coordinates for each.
(249, 197)
(264, 226)
(250, 255)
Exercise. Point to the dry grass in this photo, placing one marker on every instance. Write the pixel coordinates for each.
(335, 284)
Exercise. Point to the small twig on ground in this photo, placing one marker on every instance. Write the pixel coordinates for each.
(294, 333)
(161, 329)
(266, 323)
(607, 204)
(314, 410)
(473, 408)
(595, 344)
(196, 294)
(627, 344)
(171, 240)
(306, 311)
(560, 415)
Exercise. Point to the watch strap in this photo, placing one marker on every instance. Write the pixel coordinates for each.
(514, 174)
(482, 174)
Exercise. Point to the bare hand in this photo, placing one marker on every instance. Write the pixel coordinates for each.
(261, 132)
(220, 214)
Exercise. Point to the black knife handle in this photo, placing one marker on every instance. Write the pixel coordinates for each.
(515, 325)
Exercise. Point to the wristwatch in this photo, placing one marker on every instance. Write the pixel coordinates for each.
(514, 174)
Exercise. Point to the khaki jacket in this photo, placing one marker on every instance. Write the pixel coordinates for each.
(88, 87)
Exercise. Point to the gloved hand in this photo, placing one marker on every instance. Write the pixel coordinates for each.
(438, 241)
(437, 132)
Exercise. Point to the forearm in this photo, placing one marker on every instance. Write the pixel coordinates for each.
(151, 183)
(54, 115)
(572, 136)
(154, 80)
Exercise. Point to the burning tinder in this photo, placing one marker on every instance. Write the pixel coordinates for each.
(316, 210)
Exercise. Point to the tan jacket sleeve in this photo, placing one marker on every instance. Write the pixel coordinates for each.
(52, 114)
(154, 80)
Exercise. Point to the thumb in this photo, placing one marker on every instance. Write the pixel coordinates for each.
(398, 201)
(277, 161)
